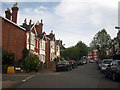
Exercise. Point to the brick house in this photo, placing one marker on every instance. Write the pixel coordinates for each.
(114, 49)
(93, 54)
(16, 37)
(51, 36)
(13, 35)
(57, 48)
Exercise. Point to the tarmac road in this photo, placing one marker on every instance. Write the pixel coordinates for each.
(86, 76)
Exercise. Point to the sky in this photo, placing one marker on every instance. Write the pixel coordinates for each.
(70, 20)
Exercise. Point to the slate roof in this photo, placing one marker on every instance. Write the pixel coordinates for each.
(41, 35)
(51, 36)
(27, 27)
(57, 42)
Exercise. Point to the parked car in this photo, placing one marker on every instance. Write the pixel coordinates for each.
(97, 61)
(63, 65)
(113, 70)
(91, 61)
(104, 64)
(99, 64)
(84, 61)
(73, 63)
(79, 62)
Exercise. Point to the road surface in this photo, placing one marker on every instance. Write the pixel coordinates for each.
(86, 76)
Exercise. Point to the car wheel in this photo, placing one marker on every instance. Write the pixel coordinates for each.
(113, 77)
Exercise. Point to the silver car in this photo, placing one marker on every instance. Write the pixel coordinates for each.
(105, 64)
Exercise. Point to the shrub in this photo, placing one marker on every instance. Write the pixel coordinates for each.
(25, 53)
(33, 63)
(62, 59)
(7, 58)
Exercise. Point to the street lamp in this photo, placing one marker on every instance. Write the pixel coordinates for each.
(117, 27)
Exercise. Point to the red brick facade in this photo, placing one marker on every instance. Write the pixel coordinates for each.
(47, 53)
(13, 38)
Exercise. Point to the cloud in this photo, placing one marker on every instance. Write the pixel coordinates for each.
(87, 17)
(42, 7)
(74, 20)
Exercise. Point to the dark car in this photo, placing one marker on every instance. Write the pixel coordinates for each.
(73, 63)
(113, 70)
(79, 62)
(63, 65)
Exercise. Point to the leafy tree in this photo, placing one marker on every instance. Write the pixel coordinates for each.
(101, 42)
(75, 52)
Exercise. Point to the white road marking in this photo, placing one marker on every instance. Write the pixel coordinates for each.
(29, 77)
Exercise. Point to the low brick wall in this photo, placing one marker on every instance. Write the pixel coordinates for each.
(48, 65)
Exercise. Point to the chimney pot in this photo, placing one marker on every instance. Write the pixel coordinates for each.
(8, 14)
(30, 22)
(14, 13)
(25, 21)
(41, 20)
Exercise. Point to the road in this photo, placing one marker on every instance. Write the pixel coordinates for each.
(86, 76)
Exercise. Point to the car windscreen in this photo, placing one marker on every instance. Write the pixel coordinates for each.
(107, 62)
(62, 62)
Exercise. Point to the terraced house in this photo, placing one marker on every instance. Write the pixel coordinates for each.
(13, 35)
(17, 37)
(114, 49)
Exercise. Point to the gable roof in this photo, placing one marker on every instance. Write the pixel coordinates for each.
(57, 42)
(51, 36)
(13, 23)
(27, 27)
(41, 36)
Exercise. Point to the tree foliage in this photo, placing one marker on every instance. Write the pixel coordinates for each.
(101, 42)
(7, 58)
(33, 63)
(75, 52)
(25, 53)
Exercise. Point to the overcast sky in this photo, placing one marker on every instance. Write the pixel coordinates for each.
(70, 20)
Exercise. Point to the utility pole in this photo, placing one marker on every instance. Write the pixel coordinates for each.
(29, 44)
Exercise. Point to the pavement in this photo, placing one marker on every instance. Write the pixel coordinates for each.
(13, 80)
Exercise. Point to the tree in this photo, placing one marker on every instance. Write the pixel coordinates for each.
(75, 52)
(101, 41)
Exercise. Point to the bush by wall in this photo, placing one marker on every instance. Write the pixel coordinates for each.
(32, 63)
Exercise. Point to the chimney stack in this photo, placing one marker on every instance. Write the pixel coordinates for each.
(39, 27)
(14, 13)
(8, 14)
(51, 33)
